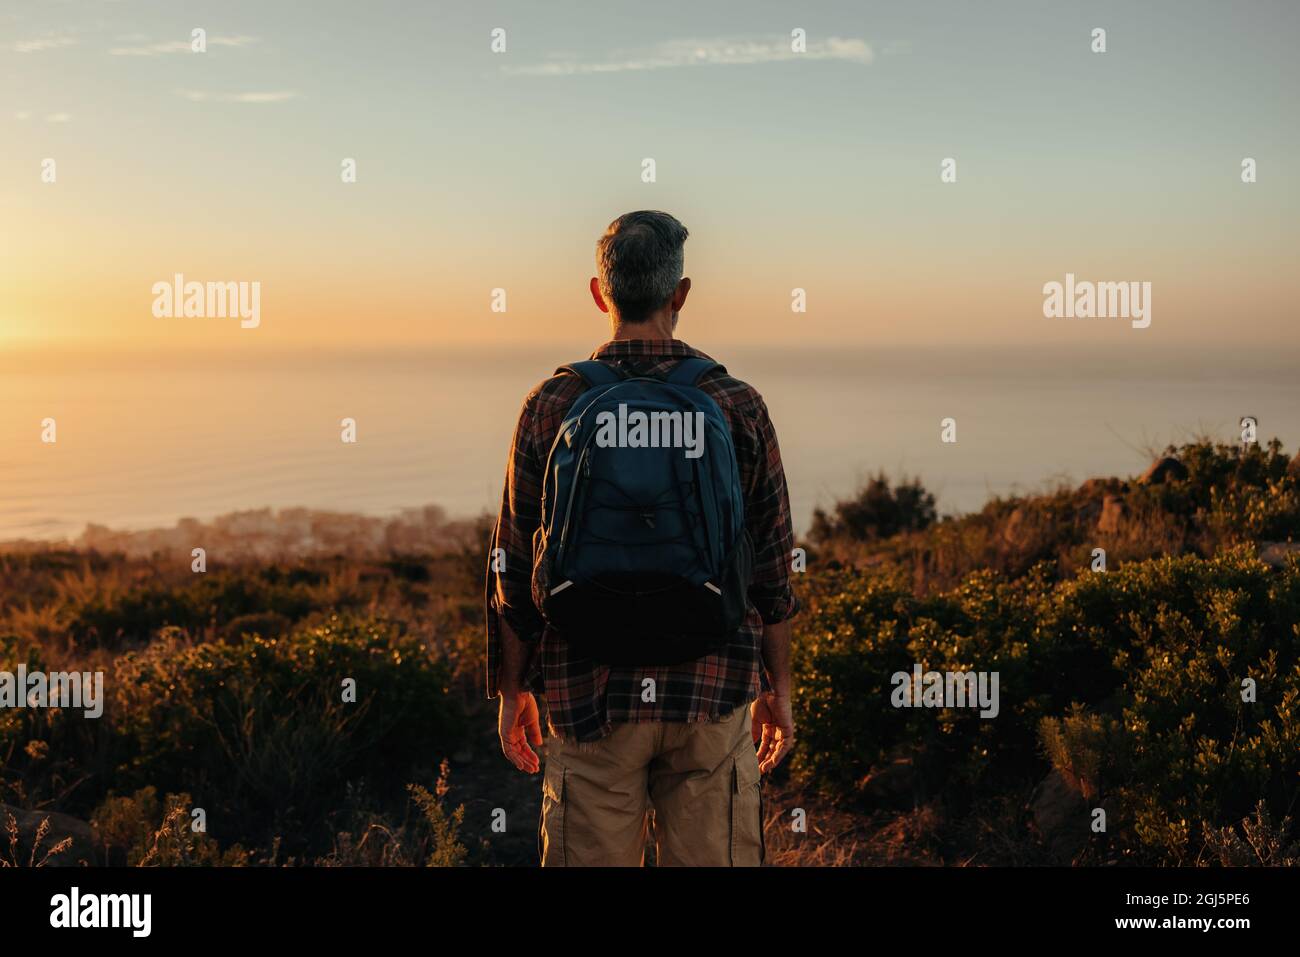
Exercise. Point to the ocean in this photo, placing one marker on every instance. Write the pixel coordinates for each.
(142, 441)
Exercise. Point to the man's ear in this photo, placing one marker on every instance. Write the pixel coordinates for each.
(595, 294)
(680, 293)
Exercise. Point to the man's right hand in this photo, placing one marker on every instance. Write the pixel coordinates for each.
(772, 728)
(518, 726)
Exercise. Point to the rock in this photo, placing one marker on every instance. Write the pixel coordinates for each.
(1099, 487)
(893, 785)
(1163, 471)
(1093, 486)
(1277, 553)
(1089, 497)
(1061, 816)
(81, 852)
(1113, 510)
(1014, 531)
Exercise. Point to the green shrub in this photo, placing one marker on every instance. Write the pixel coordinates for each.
(877, 511)
(445, 847)
(870, 627)
(140, 831)
(48, 753)
(1182, 635)
(849, 641)
(213, 600)
(1157, 652)
(1231, 494)
(259, 732)
(1077, 744)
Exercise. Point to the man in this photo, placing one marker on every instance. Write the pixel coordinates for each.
(615, 753)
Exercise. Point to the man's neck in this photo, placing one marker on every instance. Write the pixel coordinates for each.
(658, 326)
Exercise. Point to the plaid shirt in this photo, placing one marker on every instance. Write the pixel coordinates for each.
(585, 699)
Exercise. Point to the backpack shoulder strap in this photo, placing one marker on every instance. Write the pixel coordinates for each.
(691, 369)
(593, 372)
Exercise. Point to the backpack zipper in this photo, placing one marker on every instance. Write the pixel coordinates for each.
(584, 467)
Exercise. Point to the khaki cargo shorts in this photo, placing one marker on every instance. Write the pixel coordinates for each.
(696, 784)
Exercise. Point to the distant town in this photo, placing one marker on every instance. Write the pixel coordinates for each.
(266, 533)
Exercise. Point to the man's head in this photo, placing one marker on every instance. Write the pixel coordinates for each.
(639, 264)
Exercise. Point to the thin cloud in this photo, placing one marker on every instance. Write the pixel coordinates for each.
(41, 44)
(180, 46)
(58, 118)
(205, 96)
(715, 52)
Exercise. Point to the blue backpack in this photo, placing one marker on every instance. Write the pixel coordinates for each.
(642, 557)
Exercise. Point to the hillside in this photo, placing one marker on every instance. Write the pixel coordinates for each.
(1163, 690)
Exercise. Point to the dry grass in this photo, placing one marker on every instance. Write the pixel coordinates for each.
(42, 831)
(839, 837)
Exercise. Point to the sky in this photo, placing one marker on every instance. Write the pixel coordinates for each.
(480, 170)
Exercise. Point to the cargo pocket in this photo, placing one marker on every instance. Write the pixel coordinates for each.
(747, 848)
(550, 831)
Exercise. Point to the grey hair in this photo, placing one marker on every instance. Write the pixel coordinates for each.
(639, 262)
